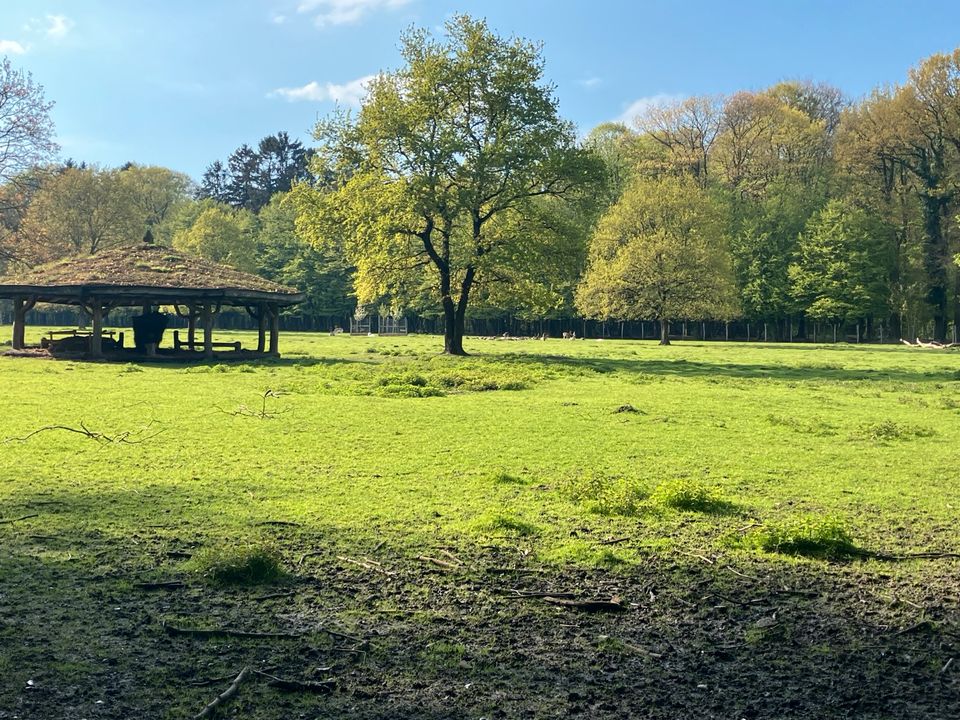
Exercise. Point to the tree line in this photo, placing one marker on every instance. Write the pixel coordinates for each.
(457, 190)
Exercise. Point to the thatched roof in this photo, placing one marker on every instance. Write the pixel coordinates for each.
(143, 273)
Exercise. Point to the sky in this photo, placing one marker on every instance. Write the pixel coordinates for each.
(181, 83)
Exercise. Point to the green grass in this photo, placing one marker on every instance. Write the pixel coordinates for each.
(371, 436)
(591, 465)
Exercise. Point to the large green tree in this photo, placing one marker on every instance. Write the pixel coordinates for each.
(222, 234)
(660, 253)
(438, 177)
(840, 270)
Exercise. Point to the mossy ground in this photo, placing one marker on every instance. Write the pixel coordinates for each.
(518, 469)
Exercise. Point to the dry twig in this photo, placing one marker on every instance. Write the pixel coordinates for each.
(128, 437)
(223, 697)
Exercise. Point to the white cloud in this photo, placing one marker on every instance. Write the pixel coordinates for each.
(11, 47)
(641, 105)
(58, 26)
(590, 82)
(342, 12)
(278, 19)
(350, 93)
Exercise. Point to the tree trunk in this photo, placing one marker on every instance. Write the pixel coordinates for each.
(96, 337)
(207, 319)
(452, 343)
(274, 312)
(261, 328)
(935, 263)
(664, 332)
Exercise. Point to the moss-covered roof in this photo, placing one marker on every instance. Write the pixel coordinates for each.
(147, 270)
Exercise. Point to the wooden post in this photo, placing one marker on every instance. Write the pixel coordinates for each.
(261, 327)
(19, 318)
(274, 330)
(191, 326)
(207, 317)
(96, 339)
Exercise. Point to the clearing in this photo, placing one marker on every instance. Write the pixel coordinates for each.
(546, 529)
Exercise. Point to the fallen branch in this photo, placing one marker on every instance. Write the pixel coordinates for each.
(932, 345)
(128, 437)
(368, 564)
(279, 523)
(311, 554)
(614, 541)
(450, 556)
(322, 686)
(737, 572)
(524, 595)
(707, 560)
(897, 557)
(438, 562)
(8, 521)
(227, 632)
(261, 414)
(614, 604)
(225, 696)
(273, 596)
(167, 585)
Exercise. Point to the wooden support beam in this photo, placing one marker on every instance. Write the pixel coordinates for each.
(206, 315)
(19, 318)
(191, 326)
(96, 338)
(274, 330)
(261, 328)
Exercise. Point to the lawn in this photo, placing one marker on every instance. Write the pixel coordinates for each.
(389, 520)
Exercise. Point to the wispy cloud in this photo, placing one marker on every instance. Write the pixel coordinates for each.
(58, 26)
(590, 82)
(641, 105)
(343, 12)
(11, 47)
(349, 93)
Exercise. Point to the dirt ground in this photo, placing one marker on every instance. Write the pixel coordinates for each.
(471, 637)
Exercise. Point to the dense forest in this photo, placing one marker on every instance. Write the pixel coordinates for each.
(787, 213)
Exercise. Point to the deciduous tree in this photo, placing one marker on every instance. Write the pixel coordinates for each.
(659, 253)
(441, 170)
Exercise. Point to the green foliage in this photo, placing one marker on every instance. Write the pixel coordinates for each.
(243, 563)
(320, 273)
(221, 234)
(606, 495)
(809, 536)
(426, 224)
(887, 430)
(841, 267)
(496, 523)
(659, 252)
(687, 494)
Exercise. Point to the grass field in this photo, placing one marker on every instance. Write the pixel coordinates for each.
(745, 507)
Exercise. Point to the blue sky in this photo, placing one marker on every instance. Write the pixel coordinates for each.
(181, 83)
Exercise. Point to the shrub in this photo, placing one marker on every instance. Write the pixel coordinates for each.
(245, 564)
(890, 430)
(685, 494)
(605, 495)
(808, 536)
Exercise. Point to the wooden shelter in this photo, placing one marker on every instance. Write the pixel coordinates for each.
(150, 275)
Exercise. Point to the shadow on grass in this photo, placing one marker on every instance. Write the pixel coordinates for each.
(690, 368)
(746, 636)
